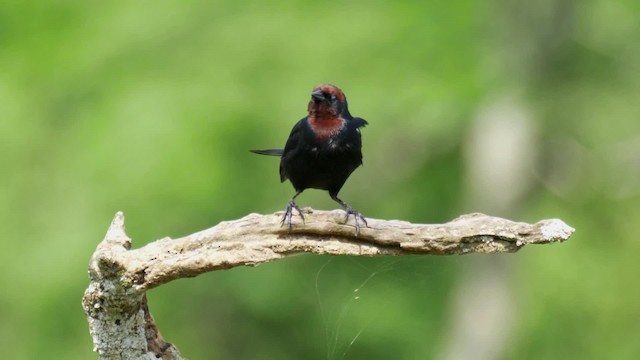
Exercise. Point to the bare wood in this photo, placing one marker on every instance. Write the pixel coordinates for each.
(115, 301)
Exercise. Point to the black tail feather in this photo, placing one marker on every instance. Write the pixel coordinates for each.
(272, 152)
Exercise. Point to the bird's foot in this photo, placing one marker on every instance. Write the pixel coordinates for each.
(357, 217)
(288, 214)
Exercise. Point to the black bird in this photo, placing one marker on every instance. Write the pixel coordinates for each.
(323, 149)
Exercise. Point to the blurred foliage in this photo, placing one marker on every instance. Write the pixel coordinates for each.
(150, 108)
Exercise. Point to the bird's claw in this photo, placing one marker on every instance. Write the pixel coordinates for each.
(288, 214)
(357, 217)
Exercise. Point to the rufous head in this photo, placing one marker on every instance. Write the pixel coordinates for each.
(327, 100)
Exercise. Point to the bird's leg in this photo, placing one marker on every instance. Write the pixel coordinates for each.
(356, 215)
(288, 213)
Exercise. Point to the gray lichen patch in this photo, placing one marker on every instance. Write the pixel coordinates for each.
(554, 230)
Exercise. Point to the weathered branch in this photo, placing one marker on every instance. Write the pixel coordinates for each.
(115, 302)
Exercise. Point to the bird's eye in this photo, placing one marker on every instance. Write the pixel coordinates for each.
(333, 97)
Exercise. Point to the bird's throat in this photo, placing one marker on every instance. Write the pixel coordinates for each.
(325, 127)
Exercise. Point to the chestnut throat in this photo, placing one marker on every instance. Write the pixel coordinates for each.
(325, 125)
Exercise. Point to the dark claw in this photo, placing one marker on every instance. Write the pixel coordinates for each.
(357, 217)
(288, 214)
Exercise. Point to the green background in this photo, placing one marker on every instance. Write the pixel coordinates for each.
(149, 107)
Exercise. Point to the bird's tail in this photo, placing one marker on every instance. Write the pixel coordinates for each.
(272, 152)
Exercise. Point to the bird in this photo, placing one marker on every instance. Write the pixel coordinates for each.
(322, 151)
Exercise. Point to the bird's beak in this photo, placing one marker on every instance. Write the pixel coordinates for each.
(318, 96)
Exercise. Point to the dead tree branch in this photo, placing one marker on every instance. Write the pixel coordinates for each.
(115, 301)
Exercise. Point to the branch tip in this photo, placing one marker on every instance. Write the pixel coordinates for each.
(116, 232)
(554, 230)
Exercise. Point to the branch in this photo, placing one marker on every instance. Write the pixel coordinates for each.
(115, 302)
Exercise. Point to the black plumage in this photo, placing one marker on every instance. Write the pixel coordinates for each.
(323, 149)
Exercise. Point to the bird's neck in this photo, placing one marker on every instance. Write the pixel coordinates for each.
(325, 125)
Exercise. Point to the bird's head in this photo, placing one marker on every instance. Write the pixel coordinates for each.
(327, 101)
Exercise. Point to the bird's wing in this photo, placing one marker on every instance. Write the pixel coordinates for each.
(359, 122)
(292, 146)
